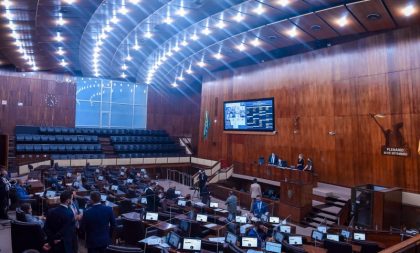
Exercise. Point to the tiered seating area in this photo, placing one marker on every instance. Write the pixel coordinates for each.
(85, 143)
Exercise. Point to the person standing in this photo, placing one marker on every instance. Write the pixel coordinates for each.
(255, 190)
(232, 204)
(60, 227)
(152, 198)
(98, 222)
(202, 179)
(4, 194)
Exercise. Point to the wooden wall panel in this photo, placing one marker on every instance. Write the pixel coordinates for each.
(332, 89)
(31, 90)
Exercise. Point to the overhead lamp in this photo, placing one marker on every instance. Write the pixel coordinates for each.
(12, 25)
(189, 71)
(108, 28)
(60, 20)
(408, 10)
(241, 47)
(239, 17)
(96, 49)
(292, 32)
(181, 12)
(206, 31)
(185, 43)
(58, 37)
(69, 1)
(180, 78)
(218, 56)
(134, 1)
(255, 42)
(148, 35)
(136, 47)
(6, 4)
(283, 2)
(63, 63)
(114, 19)
(123, 10)
(221, 24)
(8, 15)
(164, 58)
(194, 37)
(176, 48)
(174, 84)
(201, 64)
(103, 36)
(123, 75)
(60, 51)
(99, 43)
(168, 20)
(129, 58)
(169, 53)
(124, 67)
(14, 34)
(18, 43)
(259, 10)
(342, 21)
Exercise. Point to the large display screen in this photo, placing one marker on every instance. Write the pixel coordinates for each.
(249, 115)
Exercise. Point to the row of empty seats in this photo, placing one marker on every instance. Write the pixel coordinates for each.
(76, 156)
(56, 138)
(147, 148)
(58, 148)
(145, 155)
(140, 139)
(101, 131)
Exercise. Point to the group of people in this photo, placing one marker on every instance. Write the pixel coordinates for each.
(276, 160)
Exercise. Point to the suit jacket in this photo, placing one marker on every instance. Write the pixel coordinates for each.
(152, 200)
(98, 223)
(232, 203)
(259, 208)
(255, 190)
(202, 179)
(21, 193)
(273, 159)
(60, 225)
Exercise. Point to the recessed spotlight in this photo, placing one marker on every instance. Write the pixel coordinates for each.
(35, 68)
(176, 48)
(103, 36)
(255, 42)
(239, 17)
(194, 37)
(6, 4)
(8, 15)
(180, 78)
(343, 21)
(108, 28)
(218, 56)
(292, 32)
(201, 64)
(283, 2)
(174, 84)
(58, 37)
(129, 58)
(69, 1)
(136, 47)
(123, 75)
(241, 47)
(148, 35)
(259, 10)
(63, 63)
(60, 51)
(114, 19)
(189, 71)
(181, 12)
(206, 31)
(124, 67)
(169, 53)
(184, 43)
(168, 20)
(123, 10)
(221, 24)
(60, 20)
(408, 10)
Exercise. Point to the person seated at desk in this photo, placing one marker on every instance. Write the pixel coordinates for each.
(309, 165)
(301, 162)
(27, 209)
(282, 163)
(259, 207)
(54, 183)
(273, 159)
(170, 193)
(21, 193)
(259, 231)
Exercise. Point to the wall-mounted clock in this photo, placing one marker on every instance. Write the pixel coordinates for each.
(51, 100)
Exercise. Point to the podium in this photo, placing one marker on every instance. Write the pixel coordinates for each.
(295, 199)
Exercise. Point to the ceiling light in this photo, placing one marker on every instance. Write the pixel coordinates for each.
(283, 2)
(201, 64)
(148, 35)
(35, 68)
(136, 47)
(181, 12)
(12, 25)
(123, 10)
(221, 24)
(184, 43)
(63, 63)
(60, 20)
(69, 1)
(6, 4)
(60, 51)
(342, 21)
(168, 20)
(114, 19)
(164, 58)
(124, 67)
(123, 75)
(129, 58)
(256, 42)
(174, 84)
(239, 17)
(180, 78)
(194, 37)
(189, 71)
(408, 10)
(292, 32)
(134, 1)
(218, 56)
(169, 53)
(241, 47)
(58, 37)
(8, 15)
(259, 10)
(103, 36)
(176, 49)
(206, 31)
(108, 28)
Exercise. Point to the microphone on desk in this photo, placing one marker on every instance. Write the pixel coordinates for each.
(284, 221)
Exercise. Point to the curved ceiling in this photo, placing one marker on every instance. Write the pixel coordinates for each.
(173, 42)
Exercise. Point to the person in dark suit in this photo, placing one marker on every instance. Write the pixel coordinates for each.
(98, 222)
(60, 227)
(301, 162)
(309, 165)
(170, 193)
(202, 179)
(273, 159)
(152, 198)
(4, 194)
(205, 195)
(259, 207)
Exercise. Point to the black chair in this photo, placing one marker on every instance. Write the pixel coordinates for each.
(125, 206)
(368, 247)
(337, 247)
(20, 215)
(26, 236)
(132, 231)
(122, 249)
(211, 246)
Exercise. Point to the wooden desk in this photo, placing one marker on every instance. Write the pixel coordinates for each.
(313, 249)
(35, 186)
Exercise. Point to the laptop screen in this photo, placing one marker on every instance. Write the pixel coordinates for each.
(240, 219)
(182, 202)
(274, 220)
(359, 236)
(114, 187)
(50, 194)
(100, 178)
(317, 235)
(214, 205)
(273, 247)
(249, 242)
(151, 216)
(103, 198)
(174, 240)
(285, 229)
(346, 234)
(143, 200)
(201, 217)
(129, 181)
(231, 238)
(191, 244)
(177, 192)
(322, 229)
(295, 240)
(333, 237)
(278, 236)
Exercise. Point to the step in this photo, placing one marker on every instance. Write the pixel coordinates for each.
(326, 215)
(323, 221)
(337, 204)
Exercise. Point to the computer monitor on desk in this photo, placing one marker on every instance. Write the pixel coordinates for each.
(346, 234)
(274, 220)
(295, 240)
(317, 235)
(151, 216)
(143, 200)
(103, 198)
(191, 244)
(182, 202)
(184, 226)
(285, 229)
(273, 247)
(240, 219)
(322, 229)
(214, 205)
(50, 194)
(359, 236)
(178, 193)
(333, 237)
(174, 240)
(231, 238)
(201, 218)
(249, 242)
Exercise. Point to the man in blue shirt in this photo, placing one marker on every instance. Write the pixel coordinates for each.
(259, 207)
(98, 222)
(21, 192)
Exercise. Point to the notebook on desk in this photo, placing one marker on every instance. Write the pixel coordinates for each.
(210, 225)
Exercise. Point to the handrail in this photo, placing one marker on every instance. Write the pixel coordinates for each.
(180, 177)
(404, 245)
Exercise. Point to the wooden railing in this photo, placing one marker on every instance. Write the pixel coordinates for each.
(409, 245)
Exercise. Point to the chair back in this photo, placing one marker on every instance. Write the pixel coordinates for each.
(132, 231)
(368, 247)
(122, 249)
(20, 215)
(26, 236)
(337, 247)
(211, 246)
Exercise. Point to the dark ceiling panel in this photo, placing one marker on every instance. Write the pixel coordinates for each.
(341, 20)
(314, 26)
(372, 14)
(291, 31)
